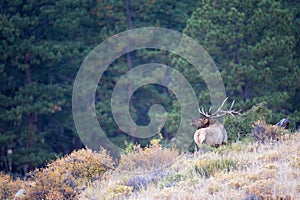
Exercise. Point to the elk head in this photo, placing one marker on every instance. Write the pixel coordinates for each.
(200, 123)
(207, 117)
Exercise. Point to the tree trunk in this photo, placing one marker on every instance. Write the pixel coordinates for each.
(31, 117)
(245, 91)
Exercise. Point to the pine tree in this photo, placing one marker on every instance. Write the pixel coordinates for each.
(117, 16)
(253, 44)
(42, 46)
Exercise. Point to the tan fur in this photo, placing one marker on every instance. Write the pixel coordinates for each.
(210, 131)
(213, 135)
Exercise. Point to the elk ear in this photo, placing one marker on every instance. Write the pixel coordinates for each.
(206, 122)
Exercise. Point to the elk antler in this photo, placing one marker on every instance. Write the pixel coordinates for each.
(220, 112)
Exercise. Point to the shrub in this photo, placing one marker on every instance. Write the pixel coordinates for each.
(265, 132)
(294, 160)
(150, 158)
(172, 179)
(65, 177)
(119, 191)
(264, 189)
(204, 148)
(8, 186)
(240, 126)
(207, 168)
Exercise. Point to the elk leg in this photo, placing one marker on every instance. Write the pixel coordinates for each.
(196, 147)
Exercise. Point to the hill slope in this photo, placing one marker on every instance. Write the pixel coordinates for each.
(236, 171)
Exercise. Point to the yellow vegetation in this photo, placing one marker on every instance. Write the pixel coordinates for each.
(237, 171)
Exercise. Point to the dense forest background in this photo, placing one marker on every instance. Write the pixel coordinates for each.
(255, 44)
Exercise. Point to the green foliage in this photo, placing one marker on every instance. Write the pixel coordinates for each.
(241, 125)
(135, 14)
(295, 120)
(207, 168)
(253, 44)
(42, 46)
(204, 148)
(171, 180)
(24, 157)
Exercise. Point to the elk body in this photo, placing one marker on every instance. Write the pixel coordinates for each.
(210, 131)
(214, 135)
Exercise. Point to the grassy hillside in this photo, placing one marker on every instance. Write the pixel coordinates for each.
(237, 171)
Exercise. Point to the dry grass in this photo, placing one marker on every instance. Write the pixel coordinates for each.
(151, 158)
(239, 171)
(269, 171)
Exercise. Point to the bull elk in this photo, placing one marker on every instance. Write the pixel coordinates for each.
(209, 130)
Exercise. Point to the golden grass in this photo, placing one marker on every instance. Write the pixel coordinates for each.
(237, 171)
(141, 160)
